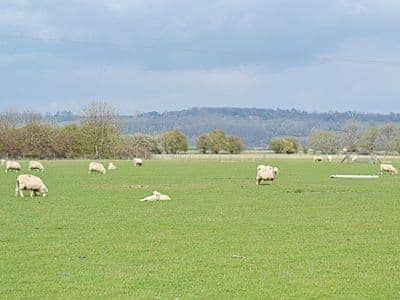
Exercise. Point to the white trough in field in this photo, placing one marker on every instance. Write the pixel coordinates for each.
(355, 176)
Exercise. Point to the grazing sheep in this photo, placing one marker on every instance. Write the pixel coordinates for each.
(111, 166)
(35, 165)
(329, 158)
(387, 168)
(266, 173)
(30, 183)
(156, 197)
(13, 166)
(138, 162)
(318, 158)
(96, 167)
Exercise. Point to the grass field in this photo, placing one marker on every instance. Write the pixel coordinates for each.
(305, 236)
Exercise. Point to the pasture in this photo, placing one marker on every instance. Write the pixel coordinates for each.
(304, 236)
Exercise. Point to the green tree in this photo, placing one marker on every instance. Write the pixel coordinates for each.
(174, 141)
(234, 144)
(38, 140)
(71, 142)
(202, 143)
(217, 141)
(284, 145)
(325, 141)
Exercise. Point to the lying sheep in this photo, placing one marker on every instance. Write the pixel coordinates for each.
(96, 167)
(318, 158)
(111, 166)
(156, 197)
(13, 166)
(266, 173)
(138, 162)
(387, 168)
(30, 183)
(35, 165)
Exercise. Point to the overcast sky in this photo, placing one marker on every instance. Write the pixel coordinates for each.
(142, 55)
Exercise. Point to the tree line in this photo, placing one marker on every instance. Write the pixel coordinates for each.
(356, 137)
(24, 135)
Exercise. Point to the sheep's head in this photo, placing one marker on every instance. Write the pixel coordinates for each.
(44, 190)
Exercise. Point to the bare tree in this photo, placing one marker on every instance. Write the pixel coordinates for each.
(100, 126)
(352, 135)
(10, 118)
(389, 135)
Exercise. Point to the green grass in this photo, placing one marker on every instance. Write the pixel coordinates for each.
(304, 236)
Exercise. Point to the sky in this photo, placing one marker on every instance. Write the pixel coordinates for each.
(160, 55)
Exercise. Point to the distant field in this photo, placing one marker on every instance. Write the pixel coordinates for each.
(306, 235)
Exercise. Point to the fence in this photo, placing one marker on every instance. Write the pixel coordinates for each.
(260, 157)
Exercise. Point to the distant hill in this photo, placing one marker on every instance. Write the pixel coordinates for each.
(255, 126)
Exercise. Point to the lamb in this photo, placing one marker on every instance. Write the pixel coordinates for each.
(35, 165)
(156, 197)
(266, 173)
(30, 183)
(318, 158)
(387, 168)
(111, 166)
(138, 162)
(96, 167)
(12, 165)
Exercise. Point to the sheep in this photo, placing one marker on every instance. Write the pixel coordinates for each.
(96, 167)
(156, 197)
(12, 165)
(266, 173)
(111, 166)
(276, 171)
(35, 165)
(30, 183)
(318, 158)
(138, 162)
(387, 168)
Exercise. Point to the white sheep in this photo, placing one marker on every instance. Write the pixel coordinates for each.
(318, 158)
(35, 165)
(96, 167)
(156, 196)
(30, 183)
(111, 166)
(13, 166)
(387, 168)
(138, 162)
(266, 173)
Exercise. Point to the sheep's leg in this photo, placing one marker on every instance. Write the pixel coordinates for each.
(21, 193)
(32, 193)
